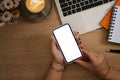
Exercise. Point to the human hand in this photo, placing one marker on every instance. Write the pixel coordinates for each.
(58, 57)
(56, 52)
(96, 63)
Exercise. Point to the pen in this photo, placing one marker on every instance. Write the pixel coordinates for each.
(113, 50)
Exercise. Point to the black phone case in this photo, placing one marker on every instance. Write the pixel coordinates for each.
(60, 47)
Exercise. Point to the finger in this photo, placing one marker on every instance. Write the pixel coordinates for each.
(96, 55)
(90, 55)
(53, 43)
(53, 38)
(76, 33)
(80, 45)
(77, 37)
(99, 56)
(79, 42)
(83, 63)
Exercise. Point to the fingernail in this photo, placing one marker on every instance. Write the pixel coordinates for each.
(81, 47)
(75, 34)
(80, 41)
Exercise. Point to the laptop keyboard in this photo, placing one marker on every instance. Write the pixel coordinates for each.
(73, 6)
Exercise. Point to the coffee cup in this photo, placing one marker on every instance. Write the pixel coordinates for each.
(35, 10)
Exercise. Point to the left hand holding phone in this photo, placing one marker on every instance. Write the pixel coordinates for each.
(56, 52)
(58, 57)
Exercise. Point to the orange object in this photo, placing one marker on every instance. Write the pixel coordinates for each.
(106, 20)
(35, 6)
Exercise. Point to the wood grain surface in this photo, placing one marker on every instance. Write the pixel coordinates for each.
(25, 52)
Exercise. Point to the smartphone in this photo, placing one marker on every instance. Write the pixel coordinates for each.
(67, 43)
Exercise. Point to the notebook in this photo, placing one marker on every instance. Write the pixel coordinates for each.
(106, 20)
(114, 31)
(83, 15)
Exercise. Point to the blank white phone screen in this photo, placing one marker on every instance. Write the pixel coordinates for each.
(67, 43)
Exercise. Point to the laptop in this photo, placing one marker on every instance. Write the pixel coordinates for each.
(83, 15)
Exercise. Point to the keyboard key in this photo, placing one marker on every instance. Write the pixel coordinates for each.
(73, 11)
(70, 3)
(67, 0)
(78, 0)
(77, 5)
(61, 1)
(90, 1)
(93, 5)
(105, 1)
(74, 1)
(69, 12)
(73, 6)
(66, 9)
(78, 10)
(86, 2)
(95, 0)
(110, 0)
(64, 5)
(82, 4)
(65, 14)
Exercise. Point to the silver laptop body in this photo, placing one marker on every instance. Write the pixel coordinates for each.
(86, 20)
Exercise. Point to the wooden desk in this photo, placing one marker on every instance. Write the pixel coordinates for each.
(25, 52)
